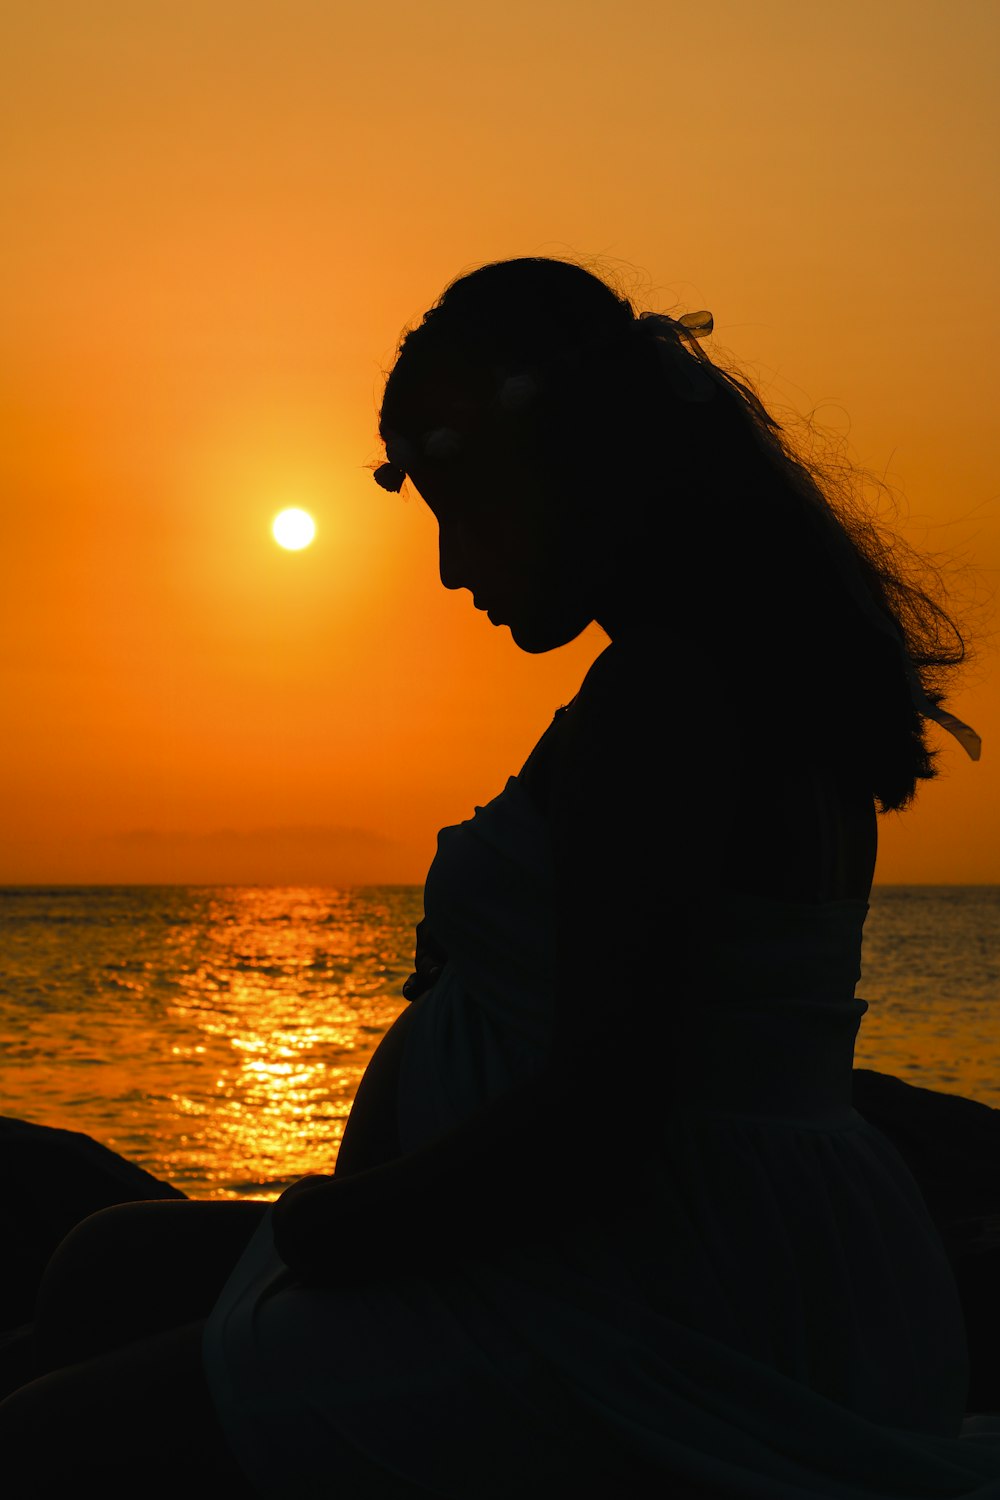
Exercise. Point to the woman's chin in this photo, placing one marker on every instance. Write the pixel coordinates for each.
(536, 636)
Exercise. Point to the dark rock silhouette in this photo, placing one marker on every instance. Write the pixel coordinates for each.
(952, 1147)
(51, 1179)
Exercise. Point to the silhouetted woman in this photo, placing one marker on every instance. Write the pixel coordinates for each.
(604, 1220)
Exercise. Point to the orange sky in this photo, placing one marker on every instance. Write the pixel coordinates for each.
(218, 217)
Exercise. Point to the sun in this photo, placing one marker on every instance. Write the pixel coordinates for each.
(293, 529)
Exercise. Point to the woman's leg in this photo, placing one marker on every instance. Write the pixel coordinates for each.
(140, 1421)
(134, 1270)
(136, 1421)
(137, 1418)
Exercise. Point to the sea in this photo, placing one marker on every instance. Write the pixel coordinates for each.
(216, 1035)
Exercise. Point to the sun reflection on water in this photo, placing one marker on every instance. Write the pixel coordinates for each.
(289, 1002)
(215, 1036)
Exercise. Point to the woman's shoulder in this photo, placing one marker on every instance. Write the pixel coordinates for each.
(664, 648)
(651, 728)
(660, 678)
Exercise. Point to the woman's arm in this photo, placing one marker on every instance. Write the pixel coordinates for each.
(504, 1174)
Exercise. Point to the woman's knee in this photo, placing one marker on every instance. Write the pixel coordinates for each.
(132, 1269)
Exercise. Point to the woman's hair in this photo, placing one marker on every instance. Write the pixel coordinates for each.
(768, 558)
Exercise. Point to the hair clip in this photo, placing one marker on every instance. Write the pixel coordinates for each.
(698, 324)
(966, 736)
(399, 456)
(390, 477)
(963, 733)
(687, 377)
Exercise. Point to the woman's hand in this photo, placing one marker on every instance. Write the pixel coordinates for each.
(505, 1176)
(300, 1222)
(353, 1227)
(308, 1184)
(429, 960)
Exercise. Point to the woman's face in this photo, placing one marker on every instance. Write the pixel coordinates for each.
(504, 538)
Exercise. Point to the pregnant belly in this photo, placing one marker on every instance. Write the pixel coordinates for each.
(371, 1135)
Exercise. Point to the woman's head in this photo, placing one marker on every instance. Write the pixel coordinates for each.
(520, 357)
(582, 456)
(518, 407)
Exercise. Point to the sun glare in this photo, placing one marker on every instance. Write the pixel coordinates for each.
(293, 529)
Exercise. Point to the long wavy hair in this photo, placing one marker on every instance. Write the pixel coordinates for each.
(768, 558)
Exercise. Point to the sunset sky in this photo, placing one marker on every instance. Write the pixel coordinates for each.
(219, 217)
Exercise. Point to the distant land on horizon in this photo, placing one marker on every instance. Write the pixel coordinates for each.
(119, 885)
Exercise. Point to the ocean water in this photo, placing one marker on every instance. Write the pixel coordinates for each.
(216, 1035)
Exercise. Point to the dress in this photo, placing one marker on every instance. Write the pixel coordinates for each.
(773, 1318)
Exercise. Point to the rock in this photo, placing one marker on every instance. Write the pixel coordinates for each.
(951, 1144)
(49, 1180)
(952, 1147)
